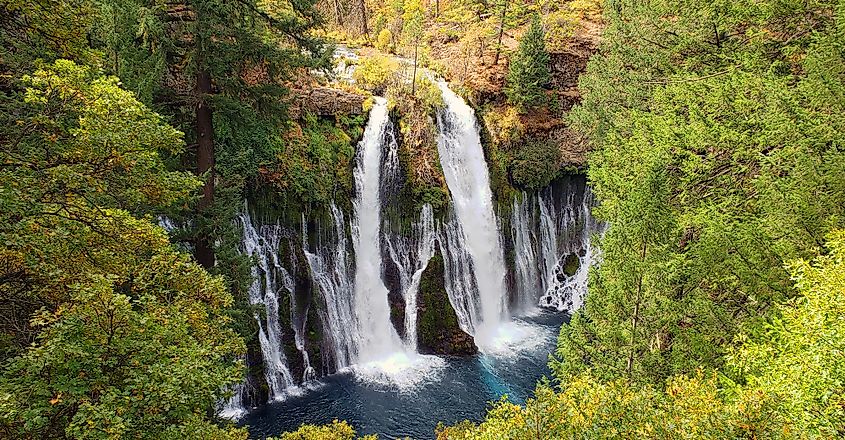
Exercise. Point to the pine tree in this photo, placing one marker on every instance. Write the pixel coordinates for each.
(219, 69)
(528, 73)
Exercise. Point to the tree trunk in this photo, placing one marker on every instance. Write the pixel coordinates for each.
(635, 319)
(501, 32)
(414, 79)
(364, 20)
(338, 12)
(204, 251)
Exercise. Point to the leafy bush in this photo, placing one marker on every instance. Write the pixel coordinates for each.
(314, 165)
(374, 73)
(384, 41)
(335, 431)
(504, 125)
(535, 165)
(107, 323)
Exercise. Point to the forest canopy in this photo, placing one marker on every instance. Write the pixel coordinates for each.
(131, 132)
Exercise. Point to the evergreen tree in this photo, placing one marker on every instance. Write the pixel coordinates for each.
(528, 73)
(220, 69)
(716, 158)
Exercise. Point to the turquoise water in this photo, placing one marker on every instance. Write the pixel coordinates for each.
(461, 389)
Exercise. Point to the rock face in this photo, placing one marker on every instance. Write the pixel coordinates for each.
(437, 325)
(327, 101)
(394, 295)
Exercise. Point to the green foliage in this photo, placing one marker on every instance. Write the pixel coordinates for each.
(335, 431)
(374, 72)
(715, 159)
(315, 165)
(139, 357)
(790, 388)
(74, 145)
(250, 51)
(101, 144)
(689, 408)
(528, 72)
(110, 332)
(413, 26)
(535, 164)
(418, 149)
(31, 30)
(504, 125)
(798, 359)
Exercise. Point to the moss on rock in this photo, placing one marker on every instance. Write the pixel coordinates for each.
(437, 324)
(571, 263)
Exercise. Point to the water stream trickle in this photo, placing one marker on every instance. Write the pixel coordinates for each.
(264, 246)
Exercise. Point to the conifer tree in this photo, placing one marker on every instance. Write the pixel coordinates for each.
(528, 73)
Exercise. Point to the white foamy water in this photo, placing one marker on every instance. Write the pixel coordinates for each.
(376, 339)
(515, 337)
(403, 371)
(477, 232)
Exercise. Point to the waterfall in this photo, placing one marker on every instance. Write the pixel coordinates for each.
(459, 273)
(234, 407)
(574, 225)
(526, 269)
(264, 290)
(376, 336)
(549, 232)
(462, 160)
(298, 324)
(412, 261)
(551, 236)
(330, 271)
(356, 317)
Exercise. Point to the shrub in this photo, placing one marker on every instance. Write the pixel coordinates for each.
(384, 41)
(535, 165)
(374, 73)
(504, 125)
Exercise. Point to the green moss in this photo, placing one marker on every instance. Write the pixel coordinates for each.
(437, 324)
(571, 264)
(498, 160)
(314, 166)
(420, 163)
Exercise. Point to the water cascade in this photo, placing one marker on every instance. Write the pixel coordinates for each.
(411, 256)
(526, 269)
(234, 407)
(458, 273)
(264, 246)
(462, 160)
(298, 324)
(552, 251)
(330, 272)
(549, 230)
(376, 336)
(565, 234)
